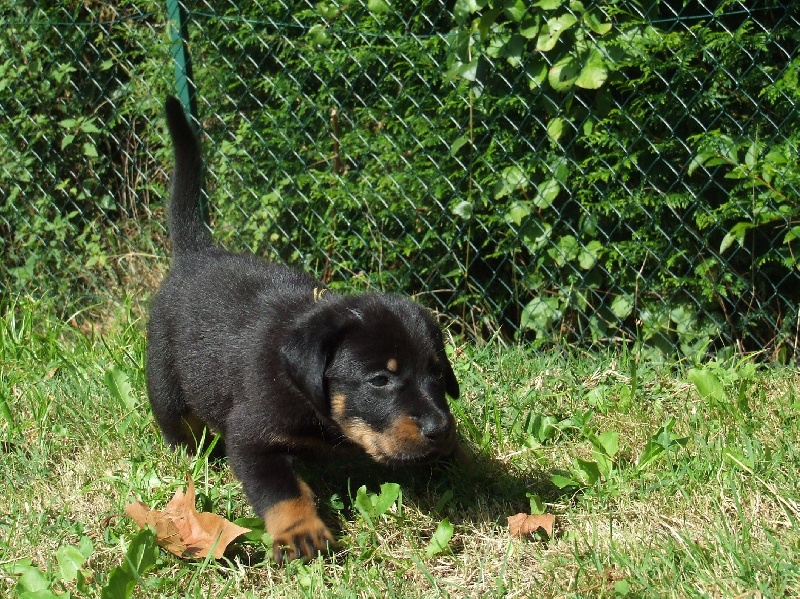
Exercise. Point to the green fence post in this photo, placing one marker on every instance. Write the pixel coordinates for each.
(184, 79)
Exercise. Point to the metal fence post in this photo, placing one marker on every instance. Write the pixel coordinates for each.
(184, 78)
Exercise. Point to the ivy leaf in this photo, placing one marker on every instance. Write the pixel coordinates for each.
(540, 314)
(32, 580)
(536, 234)
(588, 256)
(89, 127)
(608, 442)
(536, 72)
(562, 482)
(622, 306)
(511, 179)
(529, 27)
(141, 556)
(751, 156)
(378, 6)
(67, 140)
(463, 9)
(593, 22)
(564, 73)
(547, 193)
(659, 443)
(518, 212)
(387, 498)
(536, 503)
(468, 70)
(794, 233)
(515, 10)
(363, 504)
(592, 76)
(552, 30)
(737, 234)
(513, 49)
(548, 4)
(89, 150)
(588, 471)
(327, 11)
(555, 128)
(708, 385)
(487, 20)
(706, 159)
(567, 249)
(546, 430)
(458, 144)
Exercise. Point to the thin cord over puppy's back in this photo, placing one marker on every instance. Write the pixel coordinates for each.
(187, 230)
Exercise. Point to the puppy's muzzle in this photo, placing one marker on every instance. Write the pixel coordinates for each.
(408, 438)
(439, 430)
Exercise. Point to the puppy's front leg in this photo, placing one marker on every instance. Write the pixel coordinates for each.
(284, 501)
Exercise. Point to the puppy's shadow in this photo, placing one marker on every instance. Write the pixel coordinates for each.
(469, 488)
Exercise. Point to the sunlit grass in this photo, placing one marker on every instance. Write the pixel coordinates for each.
(670, 481)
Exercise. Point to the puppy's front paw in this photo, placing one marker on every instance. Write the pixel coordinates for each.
(306, 539)
(296, 529)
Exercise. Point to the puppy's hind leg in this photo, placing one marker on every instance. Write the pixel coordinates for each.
(175, 418)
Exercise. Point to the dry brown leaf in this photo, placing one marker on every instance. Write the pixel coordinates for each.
(182, 530)
(529, 524)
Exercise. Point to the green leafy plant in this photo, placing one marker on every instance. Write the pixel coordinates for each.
(33, 583)
(374, 505)
(660, 444)
(441, 538)
(588, 473)
(141, 556)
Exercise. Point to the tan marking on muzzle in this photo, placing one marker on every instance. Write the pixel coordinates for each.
(401, 440)
(363, 435)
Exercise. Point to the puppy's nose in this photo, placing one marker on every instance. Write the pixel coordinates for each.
(435, 427)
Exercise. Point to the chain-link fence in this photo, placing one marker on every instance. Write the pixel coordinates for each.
(554, 171)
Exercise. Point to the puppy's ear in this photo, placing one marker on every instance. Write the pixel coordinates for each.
(450, 381)
(309, 345)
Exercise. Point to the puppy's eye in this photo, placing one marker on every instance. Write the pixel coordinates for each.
(380, 380)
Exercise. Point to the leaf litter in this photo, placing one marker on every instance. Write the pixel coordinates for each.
(182, 530)
(535, 525)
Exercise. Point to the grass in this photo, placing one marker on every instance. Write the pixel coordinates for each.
(665, 479)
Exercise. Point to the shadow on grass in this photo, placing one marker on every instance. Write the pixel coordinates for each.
(471, 489)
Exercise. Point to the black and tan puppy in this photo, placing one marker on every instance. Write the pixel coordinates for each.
(281, 368)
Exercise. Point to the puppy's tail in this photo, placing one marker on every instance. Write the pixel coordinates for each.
(187, 230)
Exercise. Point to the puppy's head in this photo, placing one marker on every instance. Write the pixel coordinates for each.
(376, 366)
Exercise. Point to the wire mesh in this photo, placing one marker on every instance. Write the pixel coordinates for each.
(554, 172)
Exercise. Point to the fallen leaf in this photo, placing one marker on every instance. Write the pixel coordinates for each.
(530, 524)
(182, 530)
